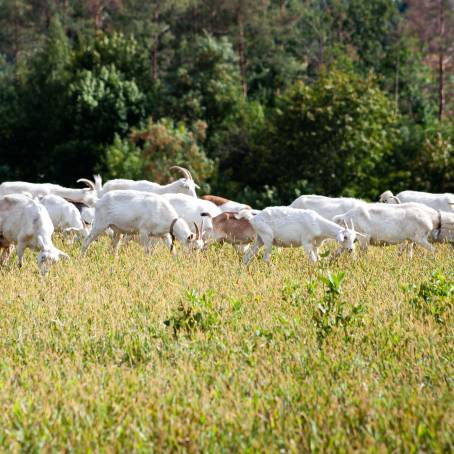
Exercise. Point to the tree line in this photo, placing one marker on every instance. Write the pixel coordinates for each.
(262, 99)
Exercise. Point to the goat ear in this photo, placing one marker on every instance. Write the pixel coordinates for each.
(196, 186)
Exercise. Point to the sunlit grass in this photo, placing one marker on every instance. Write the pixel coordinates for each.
(91, 357)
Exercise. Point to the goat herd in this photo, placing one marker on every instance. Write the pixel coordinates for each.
(29, 213)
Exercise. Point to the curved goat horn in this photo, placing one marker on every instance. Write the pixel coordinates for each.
(201, 228)
(184, 171)
(353, 225)
(197, 231)
(89, 183)
(345, 223)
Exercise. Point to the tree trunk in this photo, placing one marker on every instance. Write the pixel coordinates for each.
(441, 86)
(282, 5)
(441, 62)
(48, 16)
(16, 39)
(242, 52)
(155, 50)
(98, 10)
(396, 87)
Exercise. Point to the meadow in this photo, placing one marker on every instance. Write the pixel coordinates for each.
(197, 353)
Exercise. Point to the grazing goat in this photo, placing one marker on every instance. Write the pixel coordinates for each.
(145, 213)
(225, 205)
(88, 215)
(193, 210)
(443, 202)
(26, 223)
(86, 196)
(442, 235)
(227, 228)
(289, 227)
(184, 185)
(328, 207)
(64, 215)
(382, 224)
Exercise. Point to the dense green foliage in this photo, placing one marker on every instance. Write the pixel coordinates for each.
(333, 97)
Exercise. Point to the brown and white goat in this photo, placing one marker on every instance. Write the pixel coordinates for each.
(226, 205)
(227, 228)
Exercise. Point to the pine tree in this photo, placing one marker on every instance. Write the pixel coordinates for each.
(433, 23)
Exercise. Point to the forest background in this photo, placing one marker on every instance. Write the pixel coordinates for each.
(263, 100)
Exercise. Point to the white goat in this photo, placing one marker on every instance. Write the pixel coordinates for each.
(328, 207)
(64, 215)
(184, 185)
(85, 195)
(26, 223)
(382, 224)
(87, 214)
(442, 235)
(193, 210)
(443, 202)
(289, 227)
(145, 213)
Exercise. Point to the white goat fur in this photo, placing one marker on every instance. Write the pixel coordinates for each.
(233, 207)
(145, 213)
(191, 209)
(442, 235)
(184, 185)
(328, 207)
(26, 223)
(383, 224)
(87, 214)
(85, 195)
(289, 227)
(443, 202)
(64, 215)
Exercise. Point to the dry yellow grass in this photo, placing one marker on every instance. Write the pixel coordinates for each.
(88, 364)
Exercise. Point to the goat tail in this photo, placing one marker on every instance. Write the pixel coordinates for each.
(245, 213)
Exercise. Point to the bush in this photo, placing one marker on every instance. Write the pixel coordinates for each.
(150, 152)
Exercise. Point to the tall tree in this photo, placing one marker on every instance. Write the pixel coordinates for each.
(153, 24)
(433, 23)
(15, 30)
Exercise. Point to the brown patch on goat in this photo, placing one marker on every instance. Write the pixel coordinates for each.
(215, 199)
(5, 202)
(233, 230)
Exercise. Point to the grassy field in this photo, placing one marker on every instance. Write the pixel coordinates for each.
(154, 353)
